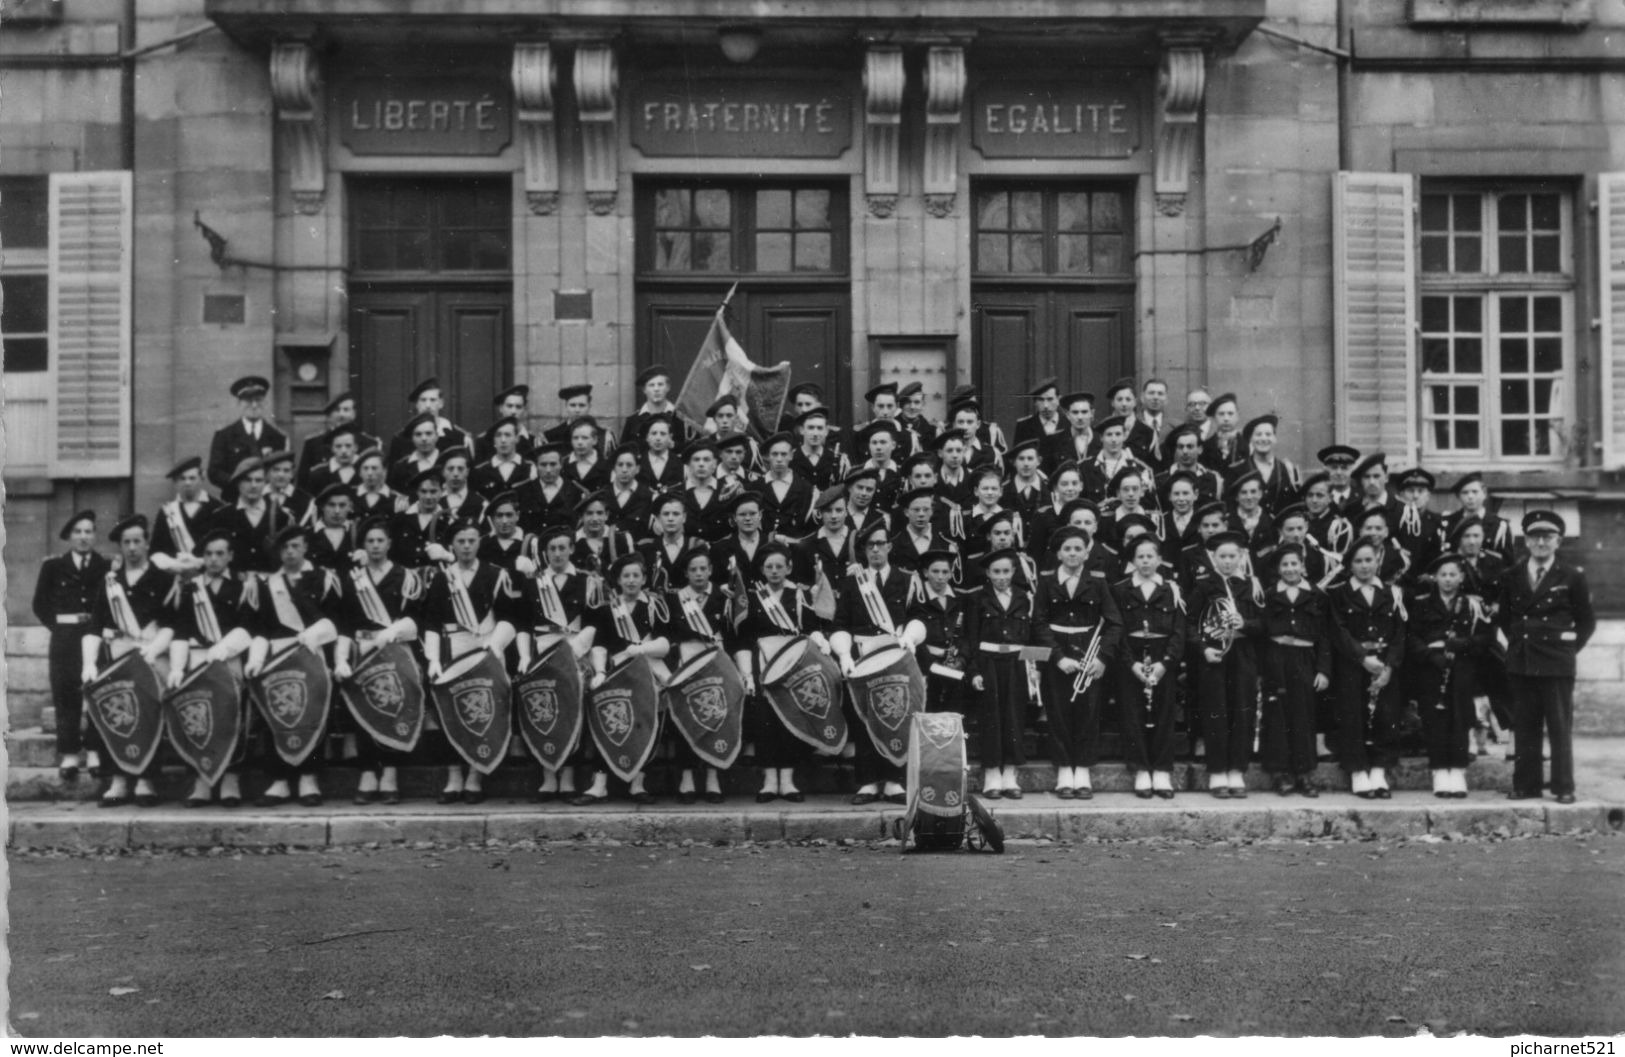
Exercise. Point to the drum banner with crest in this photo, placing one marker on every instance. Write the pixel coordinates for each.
(623, 714)
(548, 700)
(936, 764)
(292, 692)
(124, 703)
(803, 687)
(473, 697)
(706, 699)
(385, 695)
(205, 718)
(887, 688)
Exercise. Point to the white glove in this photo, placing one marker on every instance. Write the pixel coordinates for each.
(750, 686)
(88, 674)
(1068, 665)
(175, 677)
(217, 652)
(524, 566)
(307, 640)
(252, 668)
(434, 669)
(151, 652)
(437, 553)
(384, 637)
(358, 557)
(597, 680)
(343, 670)
(847, 667)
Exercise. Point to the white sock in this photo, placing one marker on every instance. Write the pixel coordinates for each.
(1063, 778)
(387, 781)
(70, 760)
(230, 786)
(1458, 779)
(1080, 778)
(550, 781)
(787, 781)
(1443, 780)
(1217, 780)
(894, 788)
(685, 784)
(118, 787)
(277, 788)
(454, 779)
(1162, 780)
(93, 760)
(349, 749)
(770, 780)
(1142, 780)
(1238, 779)
(637, 784)
(1011, 779)
(1379, 778)
(308, 786)
(992, 780)
(567, 779)
(472, 785)
(1360, 781)
(600, 784)
(713, 781)
(200, 790)
(369, 782)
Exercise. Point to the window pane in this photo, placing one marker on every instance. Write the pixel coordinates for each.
(1435, 212)
(1072, 254)
(1515, 437)
(1469, 356)
(1512, 212)
(1109, 255)
(412, 250)
(1469, 254)
(1514, 254)
(1515, 398)
(814, 252)
(491, 251)
(711, 251)
(1544, 440)
(1545, 390)
(457, 250)
(25, 310)
(711, 208)
(1466, 434)
(371, 210)
(1441, 434)
(25, 211)
(1514, 356)
(991, 253)
(1440, 398)
(992, 210)
(27, 355)
(672, 251)
(1435, 314)
(773, 251)
(772, 210)
(671, 208)
(1469, 315)
(1027, 211)
(1548, 255)
(1108, 211)
(1071, 211)
(1435, 253)
(1467, 400)
(1549, 314)
(1466, 210)
(1514, 314)
(1548, 211)
(812, 209)
(1436, 355)
(1027, 253)
(1549, 354)
(373, 251)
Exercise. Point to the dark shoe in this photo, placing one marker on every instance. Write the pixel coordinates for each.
(1367, 795)
(473, 796)
(1459, 794)
(311, 800)
(644, 797)
(861, 799)
(902, 798)
(195, 802)
(588, 800)
(688, 798)
(366, 798)
(1520, 795)
(1444, 794)
(1238, 792)
(68, 774)
(1164, 794)
(1283, 785)
(1220, 792)
(448, 796)
(1382, 794)
(1085, 793)
(1064, 793)
(1143, 794)
(231, 801)
(1565, 798)
(113, 801)
(797, 797)
(265, 800)
(391, 797)
(718, 798)
(1307, 787)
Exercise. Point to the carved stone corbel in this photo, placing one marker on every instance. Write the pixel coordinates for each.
(597, 81)
(944, 103)
(883, 81)
(1181, 84)
(533, 77)
(295, 87)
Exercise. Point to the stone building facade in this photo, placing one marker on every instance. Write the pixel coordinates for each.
(948, 191)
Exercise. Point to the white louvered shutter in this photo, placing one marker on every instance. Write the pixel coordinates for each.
(1374, 297)
(90, 260)
(1611, 247)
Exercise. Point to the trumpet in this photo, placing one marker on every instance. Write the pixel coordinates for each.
(1080, 682)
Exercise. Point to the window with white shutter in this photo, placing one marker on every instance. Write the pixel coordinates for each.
(90, 335)
(1374, 291)
(1611, 248)
(25, 276)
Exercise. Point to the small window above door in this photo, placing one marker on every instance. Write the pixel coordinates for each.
(430, 227)
(1057, 232)
(713, 230)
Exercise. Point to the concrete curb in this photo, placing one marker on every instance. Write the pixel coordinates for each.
(78, 827)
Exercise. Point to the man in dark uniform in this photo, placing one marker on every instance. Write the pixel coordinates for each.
(251, 521)
(63, 597)
(182, 521)
(1338, 460)
(1076, 443)
(1370, 478)
(504, 469)
(250, 436)
(1046, 418)
(426, 399)
(511, 403)
(1419, 530)
(814, 458)
(549, 499)
(1223, 446)
(911, 416)
(1153, 406)
(317, 450)
(883, 407)
(342, 466)
(654, 383)
(280, 492)
(1183, 450)
(1544, 607)
(1125, 404)
(917, 534)
(577, 400)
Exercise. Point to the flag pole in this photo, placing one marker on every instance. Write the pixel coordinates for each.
(730, 296)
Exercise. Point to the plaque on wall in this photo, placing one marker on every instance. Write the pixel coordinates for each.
(424, 115)
(741, 119)
(1090, 116)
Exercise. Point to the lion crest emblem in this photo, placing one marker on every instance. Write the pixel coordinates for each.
(811, 692)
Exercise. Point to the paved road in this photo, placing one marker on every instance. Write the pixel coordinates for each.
(1128, 938)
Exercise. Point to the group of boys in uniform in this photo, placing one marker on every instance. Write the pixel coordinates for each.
(1137, 570)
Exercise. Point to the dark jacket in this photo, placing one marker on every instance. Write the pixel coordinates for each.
(1548, 627)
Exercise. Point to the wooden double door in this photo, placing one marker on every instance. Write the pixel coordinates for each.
(1022, 335)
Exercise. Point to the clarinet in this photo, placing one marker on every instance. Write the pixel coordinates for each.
(1150, 684)
(1375, 688)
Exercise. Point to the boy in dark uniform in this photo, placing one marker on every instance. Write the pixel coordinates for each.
(936, 619)
(1419, 530)
(1224, 664)
(333, 543)
(917, 536)
(318, 450)
(426, 399)
(815, 458)
(280, 491)
(421, 534)
(1297, 654)
(1544, 607)
(251, 521)
(577, 405)
(342, 466)
(911, 417)
(1046, 420)
(1079, 441)
(548, 500)
(830, 550)
(64, 595)
(251, 436)
(184, 520)
(654, 383)
(511, 405)
(505, 468)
